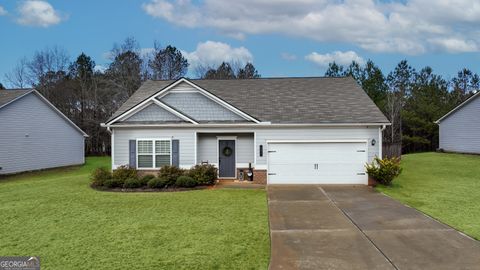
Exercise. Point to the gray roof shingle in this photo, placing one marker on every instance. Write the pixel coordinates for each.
(7, 96)
(313, 100)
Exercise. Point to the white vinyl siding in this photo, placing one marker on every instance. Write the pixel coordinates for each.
(153, 151)
(206, 149)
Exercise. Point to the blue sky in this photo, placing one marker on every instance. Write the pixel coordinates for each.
(282, 38)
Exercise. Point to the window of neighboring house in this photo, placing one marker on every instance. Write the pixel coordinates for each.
(153, 154)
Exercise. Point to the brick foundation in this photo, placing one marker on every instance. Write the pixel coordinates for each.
(141, 173)
(259, 176)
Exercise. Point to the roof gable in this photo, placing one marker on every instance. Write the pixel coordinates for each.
(153, 112)
(459, 107)
(209, 108)
(199, 107)
(14, 95)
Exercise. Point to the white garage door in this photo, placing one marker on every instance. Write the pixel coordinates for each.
(317, 163)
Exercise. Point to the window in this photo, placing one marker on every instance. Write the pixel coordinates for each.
(153, 152)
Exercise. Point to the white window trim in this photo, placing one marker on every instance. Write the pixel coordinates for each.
(153, 152)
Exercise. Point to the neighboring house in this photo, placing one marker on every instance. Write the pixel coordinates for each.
(291, 130)
(460, 128)
(35, 135)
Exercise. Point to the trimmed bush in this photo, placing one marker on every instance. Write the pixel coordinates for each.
(384, 170)
(170, 174)
(204, 174)
(100, 175)
(185, 181)
(124, 172)
(157, 183)
(144, 180)
(132, 183)
(113, 183)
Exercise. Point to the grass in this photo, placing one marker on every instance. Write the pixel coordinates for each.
(444, 186)
(56, 215)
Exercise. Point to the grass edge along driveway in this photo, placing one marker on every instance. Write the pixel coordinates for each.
(54, 214)
(443, 185)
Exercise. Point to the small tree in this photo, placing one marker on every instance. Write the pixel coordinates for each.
(384, 170)
(168, 63)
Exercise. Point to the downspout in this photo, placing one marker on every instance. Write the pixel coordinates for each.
(380, 139)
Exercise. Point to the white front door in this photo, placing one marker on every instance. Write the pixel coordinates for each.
(317, 163)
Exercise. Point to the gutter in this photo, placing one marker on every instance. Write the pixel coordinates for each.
(249, 125)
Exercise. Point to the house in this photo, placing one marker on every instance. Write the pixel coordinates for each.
(460, 128)
(35, 135)
(289, 130)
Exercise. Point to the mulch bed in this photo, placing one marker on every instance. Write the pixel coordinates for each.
(175, 189)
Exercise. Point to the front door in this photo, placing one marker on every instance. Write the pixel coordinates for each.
(226, 159)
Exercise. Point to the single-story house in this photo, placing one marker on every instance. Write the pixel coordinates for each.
(35, 135)
(460, 128)
(289, 130)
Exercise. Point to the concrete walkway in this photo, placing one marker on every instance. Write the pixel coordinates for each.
(354, 227)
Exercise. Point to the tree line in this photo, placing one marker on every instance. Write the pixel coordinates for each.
(411, 99)
(89, 96)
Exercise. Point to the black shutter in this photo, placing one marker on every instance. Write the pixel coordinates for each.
(176, 153)
(132, 160)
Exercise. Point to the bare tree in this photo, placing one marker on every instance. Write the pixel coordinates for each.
(18, 77)
(53, 59)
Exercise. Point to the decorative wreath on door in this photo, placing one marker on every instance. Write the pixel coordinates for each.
(227, 151)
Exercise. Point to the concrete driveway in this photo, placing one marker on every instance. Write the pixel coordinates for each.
(354, 227)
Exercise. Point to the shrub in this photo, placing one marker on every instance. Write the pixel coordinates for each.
(100, 175)
(114, 183)
(384, 170)
(185, 181)
(204, 174)
(124, 172)
(157, 183)
(170, 174)
(144, 180)
(132, 183)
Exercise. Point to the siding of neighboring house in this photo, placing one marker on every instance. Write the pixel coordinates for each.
(199, 107)
(460, 131)
(33, 136)
(153, 112)
(207, 148)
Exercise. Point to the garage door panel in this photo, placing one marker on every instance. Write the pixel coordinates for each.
(317, 163)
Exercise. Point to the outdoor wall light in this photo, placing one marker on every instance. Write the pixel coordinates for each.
(261, 150)
(374, 142)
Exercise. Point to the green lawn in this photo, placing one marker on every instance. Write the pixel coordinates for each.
(57, 216)
(444, 186)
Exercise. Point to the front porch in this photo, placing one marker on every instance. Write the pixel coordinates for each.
(232, 153)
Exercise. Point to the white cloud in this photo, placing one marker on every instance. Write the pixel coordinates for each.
(406, 26)
(100, 68)
(2, 11)
(38, 13)
(341, 58)
(288, 56)
(212, 54)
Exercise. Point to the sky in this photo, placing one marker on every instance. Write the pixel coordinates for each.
(280, 37)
